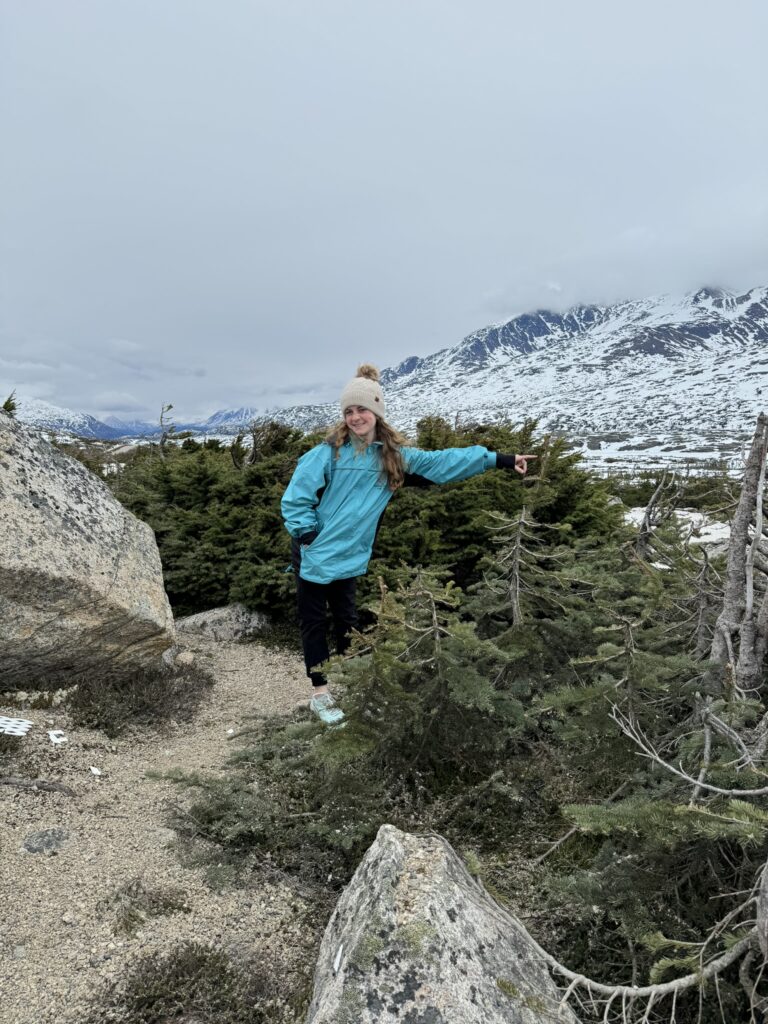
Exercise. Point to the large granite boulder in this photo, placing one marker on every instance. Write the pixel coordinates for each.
(415, 939)
(81, 586)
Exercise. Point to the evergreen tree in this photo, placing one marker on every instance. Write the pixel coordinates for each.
(9, 405)
(429, 716)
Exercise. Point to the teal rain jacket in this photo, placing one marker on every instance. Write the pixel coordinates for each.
(343, 499)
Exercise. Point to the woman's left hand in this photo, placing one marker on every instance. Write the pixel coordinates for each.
(521, 463)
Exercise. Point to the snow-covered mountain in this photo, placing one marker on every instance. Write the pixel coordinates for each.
(228, 421)
(58, 420)
(656, 380)
(662, 379)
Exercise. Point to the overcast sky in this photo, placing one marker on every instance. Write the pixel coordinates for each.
(219, 203)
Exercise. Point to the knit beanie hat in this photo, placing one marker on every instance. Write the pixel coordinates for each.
(365, 390)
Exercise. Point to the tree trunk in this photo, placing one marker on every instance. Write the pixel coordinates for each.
(738, 622)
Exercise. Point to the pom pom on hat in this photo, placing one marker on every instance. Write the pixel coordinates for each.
(367, 371)
(365, 390)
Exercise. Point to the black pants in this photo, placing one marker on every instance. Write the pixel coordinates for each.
(314, 602)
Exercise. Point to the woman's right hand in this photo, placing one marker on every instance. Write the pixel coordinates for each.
(521, 463)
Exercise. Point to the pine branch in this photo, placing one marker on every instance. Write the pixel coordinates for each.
(572, 831)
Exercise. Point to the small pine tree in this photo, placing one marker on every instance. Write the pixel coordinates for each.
(428, 701)
(9, 406)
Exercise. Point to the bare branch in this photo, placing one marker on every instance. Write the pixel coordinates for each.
(631, 729)
(635, 992)
(705, 761)
(739, 578)
(724, 730)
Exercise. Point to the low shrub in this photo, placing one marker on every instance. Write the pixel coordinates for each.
(148, 696)
(192, 983)
(134, 902)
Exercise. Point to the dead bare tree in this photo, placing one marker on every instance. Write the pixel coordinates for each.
(660, 508)
(266, 437)
(741, 631)
(167, 428)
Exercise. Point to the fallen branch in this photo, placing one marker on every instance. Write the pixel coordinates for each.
(633, 992)
(630, 729)
(39, 784)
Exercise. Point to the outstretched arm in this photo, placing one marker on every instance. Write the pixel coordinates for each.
(451, 464)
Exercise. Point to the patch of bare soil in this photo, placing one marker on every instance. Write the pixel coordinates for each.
(68, 924)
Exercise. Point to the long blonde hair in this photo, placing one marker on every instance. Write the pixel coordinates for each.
(391, 440)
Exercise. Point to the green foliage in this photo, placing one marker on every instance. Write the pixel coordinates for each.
(485, 695)
(430, 713)
(216, 512)
(218, 527)
(428, 702)
(660, 822)
(281, 799)
(447, 527)
(593, 625)
(707, 492)
(94, 455)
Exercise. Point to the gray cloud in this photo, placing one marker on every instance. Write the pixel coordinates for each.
(224, 205)
(119, 402)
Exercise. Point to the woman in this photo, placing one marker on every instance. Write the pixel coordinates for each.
(333, 505)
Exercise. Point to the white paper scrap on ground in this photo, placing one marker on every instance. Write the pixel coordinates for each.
(95, 771)
(56, 736)
(14, 726)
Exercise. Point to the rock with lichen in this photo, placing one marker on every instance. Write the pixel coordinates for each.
(232, 622)
(81, 585)
(414, 938)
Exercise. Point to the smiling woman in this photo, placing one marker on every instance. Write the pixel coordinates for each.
(333, 505)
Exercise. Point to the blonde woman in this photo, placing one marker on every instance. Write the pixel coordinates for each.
(333, 505)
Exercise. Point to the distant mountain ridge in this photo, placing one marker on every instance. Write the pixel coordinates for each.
(670, 373)
(657, 326)
(660, 379)
(132, 428)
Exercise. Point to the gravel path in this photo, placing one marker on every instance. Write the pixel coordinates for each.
(57, 941)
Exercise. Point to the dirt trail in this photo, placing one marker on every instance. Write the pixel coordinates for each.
(57, 945)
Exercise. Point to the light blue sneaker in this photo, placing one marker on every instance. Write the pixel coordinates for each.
(324, 706)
